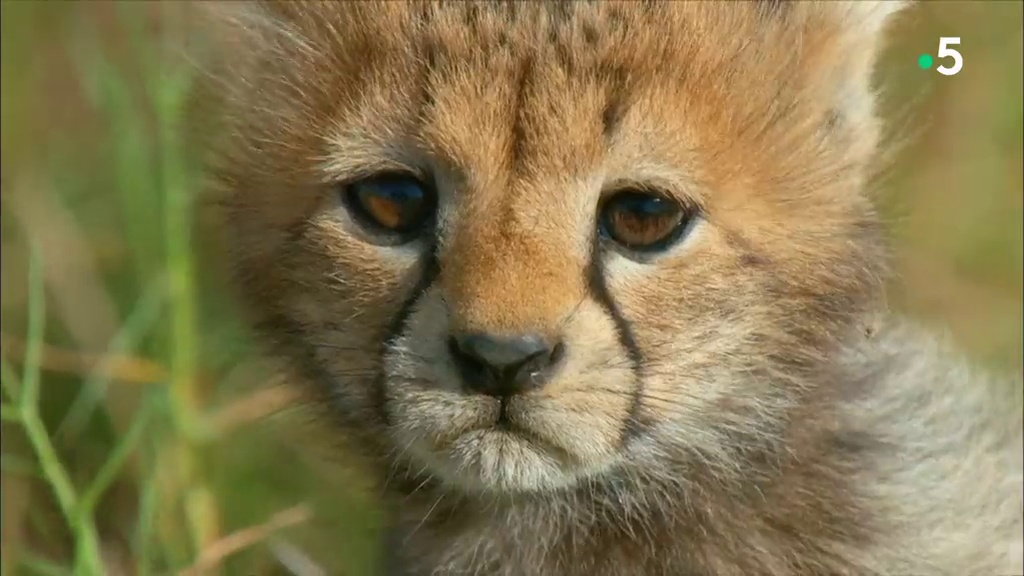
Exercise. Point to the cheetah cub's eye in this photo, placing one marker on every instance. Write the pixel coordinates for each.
(394, 208)
(644, 222)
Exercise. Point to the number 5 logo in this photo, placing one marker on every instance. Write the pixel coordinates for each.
(944, 50)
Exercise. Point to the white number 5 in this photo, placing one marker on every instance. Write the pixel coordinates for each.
(945, 50)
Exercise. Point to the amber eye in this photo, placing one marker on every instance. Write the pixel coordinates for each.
(395, 205)
(643, 222)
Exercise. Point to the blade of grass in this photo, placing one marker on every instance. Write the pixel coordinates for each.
(269, 399)
(129, 369)
(237, 541)
(87, 553)
(148, 506)
(74, 285)
(111, 93)
(167, 92)
(36, 333)
(144, 315)
(106, 474)
(9, 379)
(178, 235)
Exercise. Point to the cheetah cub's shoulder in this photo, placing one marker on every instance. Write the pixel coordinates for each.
(596, 286)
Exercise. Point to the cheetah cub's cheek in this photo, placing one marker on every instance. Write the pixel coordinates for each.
(571, 426)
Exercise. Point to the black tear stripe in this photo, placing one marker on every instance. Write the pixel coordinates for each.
(395, 330)
(292, 337)
(599, 290)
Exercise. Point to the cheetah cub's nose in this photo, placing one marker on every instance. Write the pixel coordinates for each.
(504, 365)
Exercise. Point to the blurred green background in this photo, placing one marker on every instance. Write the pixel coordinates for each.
(140, 433)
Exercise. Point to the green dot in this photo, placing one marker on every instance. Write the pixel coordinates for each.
(924, 61)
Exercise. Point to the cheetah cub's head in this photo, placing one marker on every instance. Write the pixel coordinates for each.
(521, 245)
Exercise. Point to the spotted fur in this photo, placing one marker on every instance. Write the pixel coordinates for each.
(741, 404)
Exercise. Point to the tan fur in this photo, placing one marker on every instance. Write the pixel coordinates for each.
(766, 422)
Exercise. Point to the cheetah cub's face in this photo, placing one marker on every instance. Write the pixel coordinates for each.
(527, 244)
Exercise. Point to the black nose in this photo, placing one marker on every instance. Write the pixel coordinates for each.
(504, 365)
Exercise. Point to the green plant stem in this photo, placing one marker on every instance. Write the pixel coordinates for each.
(88, 559)
(168, 92)
(9, 380)
(105, 477)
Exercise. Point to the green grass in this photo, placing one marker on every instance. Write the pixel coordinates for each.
(134, 415)
(134, 412)
(78, 510)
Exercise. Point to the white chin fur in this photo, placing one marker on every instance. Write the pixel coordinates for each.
(456, 438)
(505, 461)
(494, 460)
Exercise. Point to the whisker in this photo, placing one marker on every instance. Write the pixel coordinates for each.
(425, 517)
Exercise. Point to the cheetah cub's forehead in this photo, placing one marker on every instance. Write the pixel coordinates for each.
(529, 242)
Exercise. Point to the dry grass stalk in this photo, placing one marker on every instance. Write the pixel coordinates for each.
(235, 542)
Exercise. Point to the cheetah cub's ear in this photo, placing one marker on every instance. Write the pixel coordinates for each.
(864, 16)
(857, 28)
(839, 44)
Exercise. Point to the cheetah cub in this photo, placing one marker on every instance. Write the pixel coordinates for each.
(597, 287)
